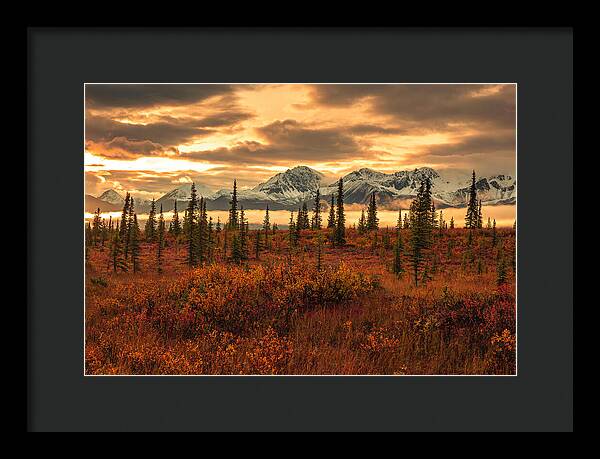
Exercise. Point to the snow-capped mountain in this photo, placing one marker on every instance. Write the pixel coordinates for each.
(449, 189)
(288, 190)
(292, 186)
(182, 195)
(112, 197)
(113, 201)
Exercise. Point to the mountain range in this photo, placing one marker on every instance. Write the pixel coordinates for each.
(287, 190)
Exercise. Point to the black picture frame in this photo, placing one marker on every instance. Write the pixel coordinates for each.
(60, 398)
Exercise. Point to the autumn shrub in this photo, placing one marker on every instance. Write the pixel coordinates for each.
(242, 300)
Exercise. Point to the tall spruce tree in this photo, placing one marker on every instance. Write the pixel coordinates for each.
(233, 208)
(362, 222)
(88, 241)
(243, 234)
(160, 239)
(316, 218)
(397, 268)
(399, 223)
(267, 227)
(236, 248)
(303, 219)
(118, 262)
(150, 228)
(130, 228)
(175, 227)
(202, 232)
(96, 227)
(331, 219)
(340, 217)
(190, 226)
(472, 209)
(123, 229)
(420, 226)
(479, 216)
(292, 233)
(501, 271)
(372, 220)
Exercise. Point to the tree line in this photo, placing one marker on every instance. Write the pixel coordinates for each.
(201, 236)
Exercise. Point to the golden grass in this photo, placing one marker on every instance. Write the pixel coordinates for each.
(273, 316)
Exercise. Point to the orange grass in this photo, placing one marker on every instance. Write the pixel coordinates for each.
(279, 315)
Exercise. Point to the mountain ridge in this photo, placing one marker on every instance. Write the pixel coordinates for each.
(289, 189)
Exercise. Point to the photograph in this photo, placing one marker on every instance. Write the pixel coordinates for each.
(316, 229)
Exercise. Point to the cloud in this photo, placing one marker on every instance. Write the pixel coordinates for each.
(486, 143)
(123, 148)
(430, 104)
(166, 132)
(150, 95)
(251, 132)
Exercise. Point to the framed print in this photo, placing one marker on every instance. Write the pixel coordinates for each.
(300, 230)
(325, 229)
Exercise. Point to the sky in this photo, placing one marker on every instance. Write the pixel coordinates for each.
(149, 139)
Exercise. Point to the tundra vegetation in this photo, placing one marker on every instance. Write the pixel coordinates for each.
(194, 296)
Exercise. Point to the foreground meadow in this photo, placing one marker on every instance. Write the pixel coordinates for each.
(310, 310)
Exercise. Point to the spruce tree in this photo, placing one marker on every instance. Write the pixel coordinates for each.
(331, 219)
(433, 215)
(451, 222)
(117, 253)
(160, 238)
(292, 234)
(494, 235)
(130, 228)
(489, 224)
(88, 241)
(267, 228)
(299, 224)
(399, 223)
(501, 274)
(362, 222)
(479, 216)
(211, 240)
(202, 232)
(397, 268)
(150, 228)
(340, 217)
(123, 229)
(175, 227)
(420, 226)
(96, 227)
(233, 210)
(316, 218)
(319, 252)
(372, 220)
(472, 209)
(236, 248)
(243, 234)
(190, 223)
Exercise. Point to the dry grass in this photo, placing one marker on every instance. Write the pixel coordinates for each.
(278, 315)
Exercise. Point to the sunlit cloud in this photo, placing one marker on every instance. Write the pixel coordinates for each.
(153, 137)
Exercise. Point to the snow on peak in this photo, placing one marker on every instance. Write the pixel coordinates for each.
(184, 192)
(112, 197)
(292, 184)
